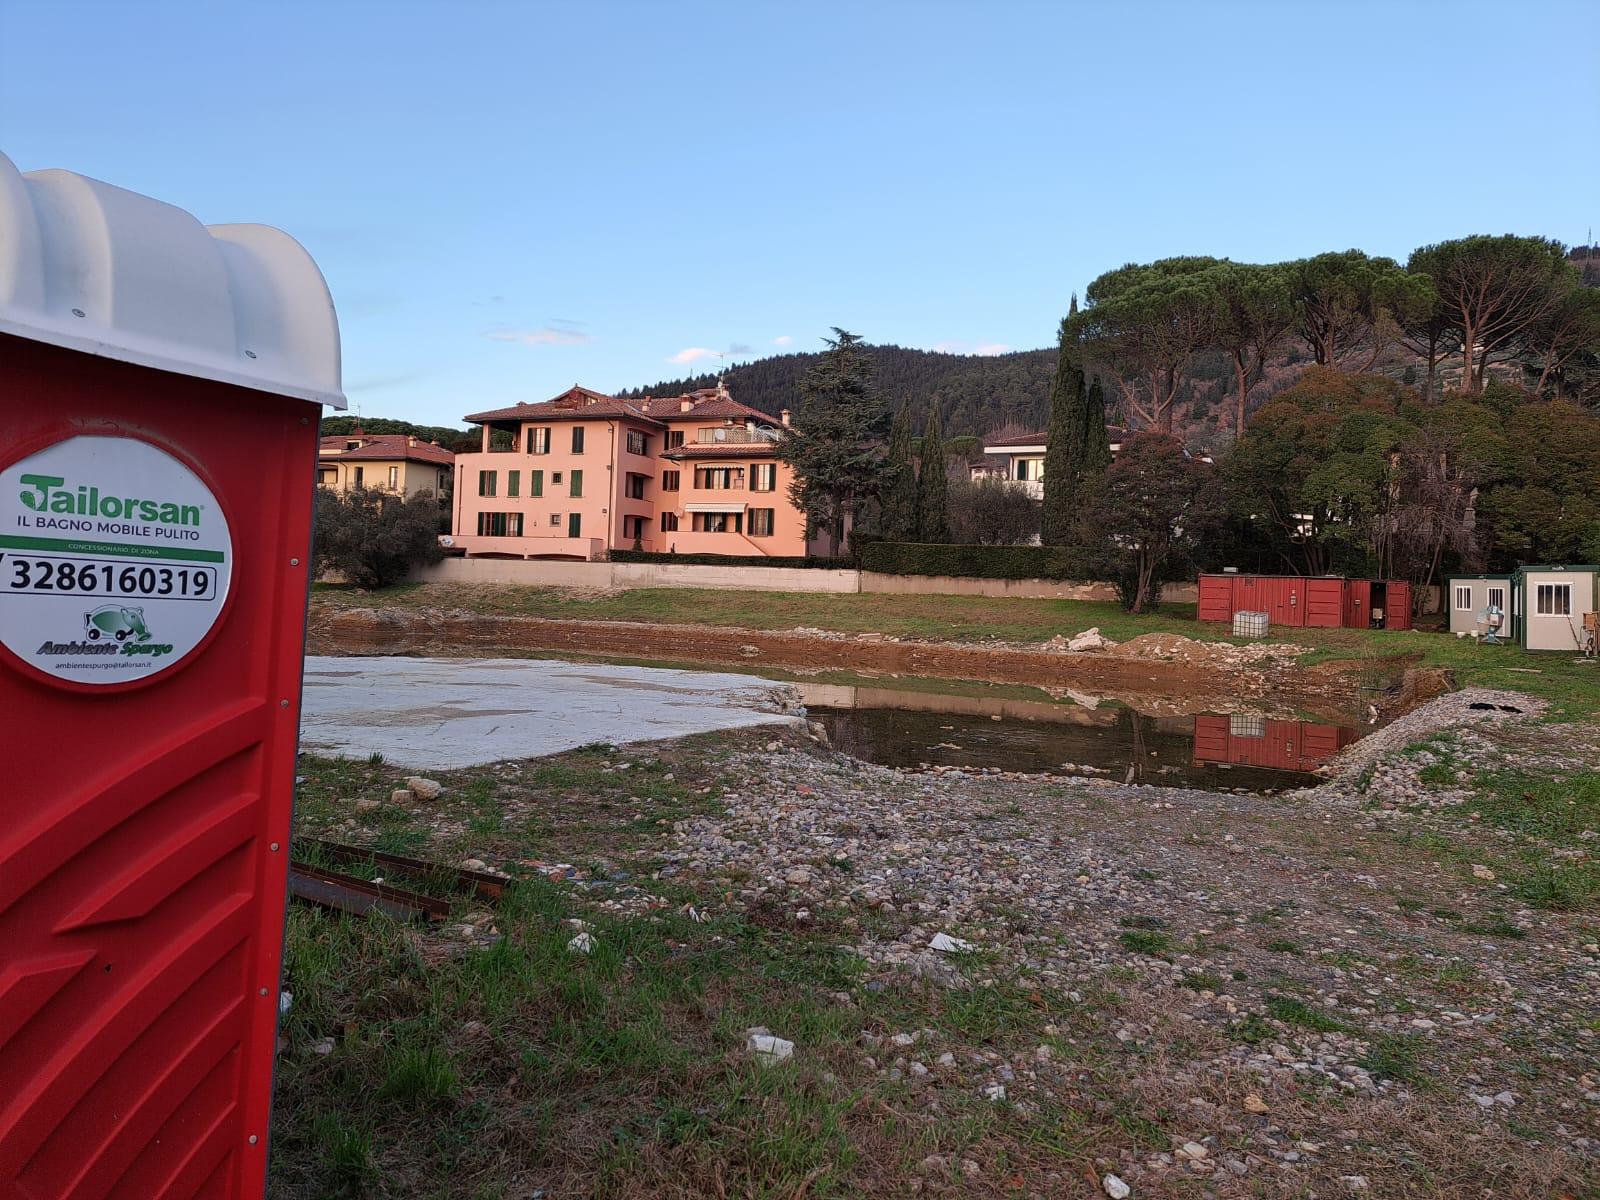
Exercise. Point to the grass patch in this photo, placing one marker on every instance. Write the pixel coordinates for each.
(1146, 941)
(1295, 1012)
(1495, 927)
(1393, 1056)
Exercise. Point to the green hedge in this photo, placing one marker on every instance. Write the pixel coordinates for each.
(974, 562)
(729, 560)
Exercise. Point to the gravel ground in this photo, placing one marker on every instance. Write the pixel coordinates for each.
(1331, 986)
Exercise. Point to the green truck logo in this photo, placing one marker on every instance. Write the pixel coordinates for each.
(112, 620)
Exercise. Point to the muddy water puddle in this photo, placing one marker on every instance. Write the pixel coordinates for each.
(918, 729)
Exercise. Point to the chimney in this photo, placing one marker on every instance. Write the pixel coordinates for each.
(784, 416)
(411, 441)
(686, 405)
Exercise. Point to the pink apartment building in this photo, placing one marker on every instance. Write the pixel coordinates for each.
(587, 473)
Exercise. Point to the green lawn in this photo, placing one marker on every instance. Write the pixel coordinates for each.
(1572, 687)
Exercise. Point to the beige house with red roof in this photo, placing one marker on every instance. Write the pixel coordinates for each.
(586, 473)
(394, 462)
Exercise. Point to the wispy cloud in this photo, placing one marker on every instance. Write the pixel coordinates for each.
(738, 348)
(691, 354)
(552, 334)
(981, 349)
(783, 340)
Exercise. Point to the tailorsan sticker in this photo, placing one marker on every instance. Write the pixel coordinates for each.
(115, 560)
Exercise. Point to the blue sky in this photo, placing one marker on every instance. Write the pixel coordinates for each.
(509, 198)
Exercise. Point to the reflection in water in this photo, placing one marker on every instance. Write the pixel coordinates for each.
(913, 729)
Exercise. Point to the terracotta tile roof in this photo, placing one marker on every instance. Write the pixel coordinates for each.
(581, 403)
(384, 446)
(722, 450)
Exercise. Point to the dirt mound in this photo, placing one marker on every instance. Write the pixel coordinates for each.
(1174, 647)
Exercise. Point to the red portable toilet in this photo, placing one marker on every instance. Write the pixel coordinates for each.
(160, 385)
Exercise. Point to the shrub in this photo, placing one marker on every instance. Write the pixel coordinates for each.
(373, 537)
(977, 562)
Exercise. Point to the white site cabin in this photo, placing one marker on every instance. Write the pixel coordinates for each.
(1544, 606)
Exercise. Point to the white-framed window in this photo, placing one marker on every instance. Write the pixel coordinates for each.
(1497, 598)
(555, 519)
(1463, 596)
(394, 477)
(1553, 600)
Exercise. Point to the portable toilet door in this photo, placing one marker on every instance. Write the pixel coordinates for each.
(162, 384)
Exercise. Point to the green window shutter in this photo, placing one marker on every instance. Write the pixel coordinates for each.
(513, 482)
(577, 483)
(535, 483)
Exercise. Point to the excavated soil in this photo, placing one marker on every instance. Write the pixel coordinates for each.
(1215, 677)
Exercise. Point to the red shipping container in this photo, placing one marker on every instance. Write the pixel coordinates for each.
(157, 452)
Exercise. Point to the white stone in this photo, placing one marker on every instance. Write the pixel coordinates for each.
(322, 1046)
(995, 1092)
(424, 789)
(946, 944)
(401, 796)
(583, 943)
(768, 1050)
(1194, 1151)
(1114, 1187)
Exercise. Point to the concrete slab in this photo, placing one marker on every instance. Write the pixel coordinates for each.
(444, 713)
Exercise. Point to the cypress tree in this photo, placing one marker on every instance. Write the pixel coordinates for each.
(1064, 442)
(935, 487)
(1096, 441)
(900, 516)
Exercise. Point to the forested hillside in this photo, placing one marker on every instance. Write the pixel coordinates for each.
(974, 395)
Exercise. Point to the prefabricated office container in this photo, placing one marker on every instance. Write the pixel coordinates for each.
(160, 391)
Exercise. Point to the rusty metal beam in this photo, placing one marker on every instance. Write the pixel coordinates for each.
(480, 883)
(346, 893)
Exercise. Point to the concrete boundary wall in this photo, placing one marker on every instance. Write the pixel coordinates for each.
(535, 572)
(575, 574)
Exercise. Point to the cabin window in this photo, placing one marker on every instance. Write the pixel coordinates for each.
(1553, 600)
(1463, 597)
(1497, 598)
